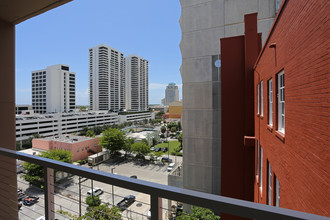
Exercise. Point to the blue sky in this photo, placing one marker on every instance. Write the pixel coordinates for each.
(63, 35)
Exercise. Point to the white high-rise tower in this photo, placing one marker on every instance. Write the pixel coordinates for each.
(137, 83)
(53, 89)
(106, 78)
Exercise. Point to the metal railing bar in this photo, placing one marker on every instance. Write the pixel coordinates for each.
(223, 204)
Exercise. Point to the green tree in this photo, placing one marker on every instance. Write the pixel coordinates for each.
(173, 129)
(154, 141)
(180, 139)
(128, 145)
(35, 173)
(93, 201)
(179, 126)
(163, 129)
(145, 141)
(90, 133)
(171, 125)
(97, 130)
(83, 131)
(113, 139)
(198, 213)
(28, 143)
(140, 148)
(102, 212)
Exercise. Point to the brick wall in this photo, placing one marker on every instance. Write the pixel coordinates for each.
(300, 157)
(79, 149)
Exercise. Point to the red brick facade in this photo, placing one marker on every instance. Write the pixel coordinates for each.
(80, 149)
(298, 44)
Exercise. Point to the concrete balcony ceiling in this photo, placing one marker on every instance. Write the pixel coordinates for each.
(16, 11)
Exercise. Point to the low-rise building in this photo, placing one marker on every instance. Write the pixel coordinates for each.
(132, 116)
(175, 109)
(67, 123)
(80, 146)
(60, 123)
(20, 109)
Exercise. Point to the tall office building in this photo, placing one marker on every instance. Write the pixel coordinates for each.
(137, 81)
(203, 24)
(53, 89)
(106, 78)
(171, 93)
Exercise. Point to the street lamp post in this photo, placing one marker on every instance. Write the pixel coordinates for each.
(113, 195)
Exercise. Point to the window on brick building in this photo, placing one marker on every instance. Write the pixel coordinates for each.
(258, 150)
(281, 102)
(261, 160)
(276, 192)
(269, 183)
(270, 102)
(262, 98)
(258, 100)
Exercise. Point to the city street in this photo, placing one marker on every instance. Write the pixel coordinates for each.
(67, 193)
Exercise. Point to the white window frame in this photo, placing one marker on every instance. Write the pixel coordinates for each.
(262, 98)
(270, 102)
(258, 162)
(281, 102)
(277, 198)
(261, 159)
(269, 183)
(258, 98)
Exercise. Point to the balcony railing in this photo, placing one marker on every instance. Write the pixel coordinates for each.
(158, 191)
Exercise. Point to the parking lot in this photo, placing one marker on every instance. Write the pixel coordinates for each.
(67, 192)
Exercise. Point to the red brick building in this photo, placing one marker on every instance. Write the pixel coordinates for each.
(238, 56)
(80, 146)
(292, 117)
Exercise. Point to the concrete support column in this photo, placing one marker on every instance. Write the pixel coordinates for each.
(8, 176)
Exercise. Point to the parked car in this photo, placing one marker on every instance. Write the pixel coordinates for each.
(153, 158)
(134, 177)
(19, 205)
(126, 202)
(30, 200)
(20, 195)
(158, 149)
(96, 191)
(152, 148)
(149, 214)
(166, 159)
(165, 149)
(170, 167)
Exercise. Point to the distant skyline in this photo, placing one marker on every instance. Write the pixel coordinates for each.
(63, 36)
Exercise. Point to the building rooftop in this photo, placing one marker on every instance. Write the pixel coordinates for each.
(57, 114)
(67, 138)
